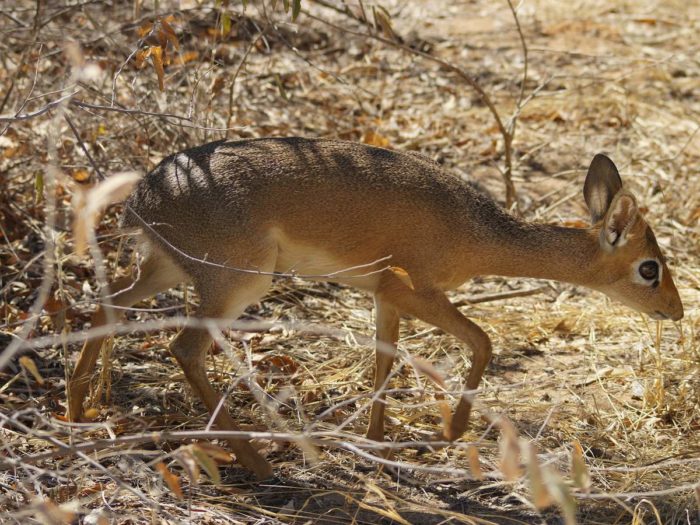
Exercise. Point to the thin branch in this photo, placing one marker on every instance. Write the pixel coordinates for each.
(47, 107)
(100, 175)
(235, 76)
(487, 297)
(87, 105)
(519, 104)
(511, 197)
(329, 276)
(80, 453)
(49, 233)
(7, 95)
(316, 438)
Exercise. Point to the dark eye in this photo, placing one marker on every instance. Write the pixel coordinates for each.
(649, 270)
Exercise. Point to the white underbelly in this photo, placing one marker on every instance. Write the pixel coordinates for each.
(318, 264)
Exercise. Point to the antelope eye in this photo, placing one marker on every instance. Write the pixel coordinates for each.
(649, 270)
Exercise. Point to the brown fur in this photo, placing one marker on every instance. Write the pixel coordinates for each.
(317, 207)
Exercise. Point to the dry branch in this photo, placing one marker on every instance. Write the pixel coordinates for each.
(615, 81)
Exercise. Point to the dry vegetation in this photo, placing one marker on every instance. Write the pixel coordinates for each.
(577, 375)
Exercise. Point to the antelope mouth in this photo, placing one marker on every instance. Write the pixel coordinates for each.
(659, 316)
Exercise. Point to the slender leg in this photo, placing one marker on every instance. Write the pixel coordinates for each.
(387, 320)
(432, 306)
(154, 276)
(190, 349)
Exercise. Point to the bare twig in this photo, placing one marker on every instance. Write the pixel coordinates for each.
(117, 109)
(81, 454)
(231, 88)
(94, 165)
(499, 296)
(324, 439)
(336, 274)
(39, 112)
(511, 197)
(523, 82)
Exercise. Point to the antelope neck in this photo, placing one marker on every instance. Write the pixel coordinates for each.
(546, 251)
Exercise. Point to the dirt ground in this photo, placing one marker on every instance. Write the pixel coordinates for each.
(580, 378)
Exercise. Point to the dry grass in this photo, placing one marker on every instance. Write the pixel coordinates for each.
(570, 366)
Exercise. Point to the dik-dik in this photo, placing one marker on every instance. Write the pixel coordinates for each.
(226, 216)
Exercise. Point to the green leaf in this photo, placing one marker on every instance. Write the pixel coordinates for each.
(207, 463)
(39, 187)
(280, 86)
(382, 21)
(225, 24)
(286, 6)
(296, 9)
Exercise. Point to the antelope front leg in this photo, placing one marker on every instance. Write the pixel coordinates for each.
(432, 306)
(387, 320)
(480, 360)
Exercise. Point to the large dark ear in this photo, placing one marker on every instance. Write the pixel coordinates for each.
(602, 184)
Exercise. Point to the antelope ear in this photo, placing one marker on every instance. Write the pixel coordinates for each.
(602, 184)
(621, 216)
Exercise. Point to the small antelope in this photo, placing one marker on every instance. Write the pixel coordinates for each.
(338, 209)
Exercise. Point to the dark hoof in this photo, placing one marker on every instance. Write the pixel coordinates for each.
(273, 481)
(439, 437)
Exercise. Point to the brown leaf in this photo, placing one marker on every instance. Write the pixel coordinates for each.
(575, 223)
(59, 417)
(15, 151)
(277, 364)
(539, 492)
(157, 60)
(87, 204)
(220, 454)
(30, 366)
(375, 139)
(54, 305)
(425, 367)
(563, 327)
(510, 450)
(171, 480)
(579, 471)
(145, 29)
(187, 56)
(185, 457)
(95, 488)
(91, 414)
(474, 463)
(141, 56)
(382, 20)
(446, 415)
(49, 512)
(167, 33)
(403, 275)
(81, 176)
(561, 493)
